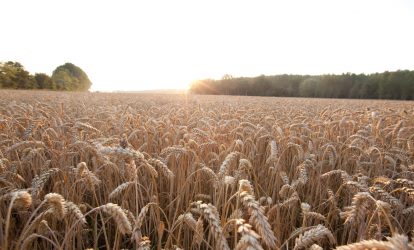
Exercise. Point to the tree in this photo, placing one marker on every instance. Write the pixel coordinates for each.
(4, 76)
(43, 81)
(386, 85)
(71, 77)
(14, 76)
(308, 87)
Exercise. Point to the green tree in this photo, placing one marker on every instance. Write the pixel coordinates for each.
(4, 75)
(71, 77)
(14, 76)
(43, 81)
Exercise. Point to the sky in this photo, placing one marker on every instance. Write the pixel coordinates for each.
(142, 45)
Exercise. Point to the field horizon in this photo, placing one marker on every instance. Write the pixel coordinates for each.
(186, 92)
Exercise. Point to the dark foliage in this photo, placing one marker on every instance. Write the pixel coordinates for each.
(387, 85)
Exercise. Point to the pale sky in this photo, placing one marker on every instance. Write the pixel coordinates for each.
(137, 45)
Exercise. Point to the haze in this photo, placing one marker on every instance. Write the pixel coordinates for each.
(141, 45)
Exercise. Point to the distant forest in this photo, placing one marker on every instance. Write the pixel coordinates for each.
(386, 85)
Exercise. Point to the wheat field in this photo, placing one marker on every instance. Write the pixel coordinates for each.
(148, 171)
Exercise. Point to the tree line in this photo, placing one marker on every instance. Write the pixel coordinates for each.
(387, 85)
(68, 77)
